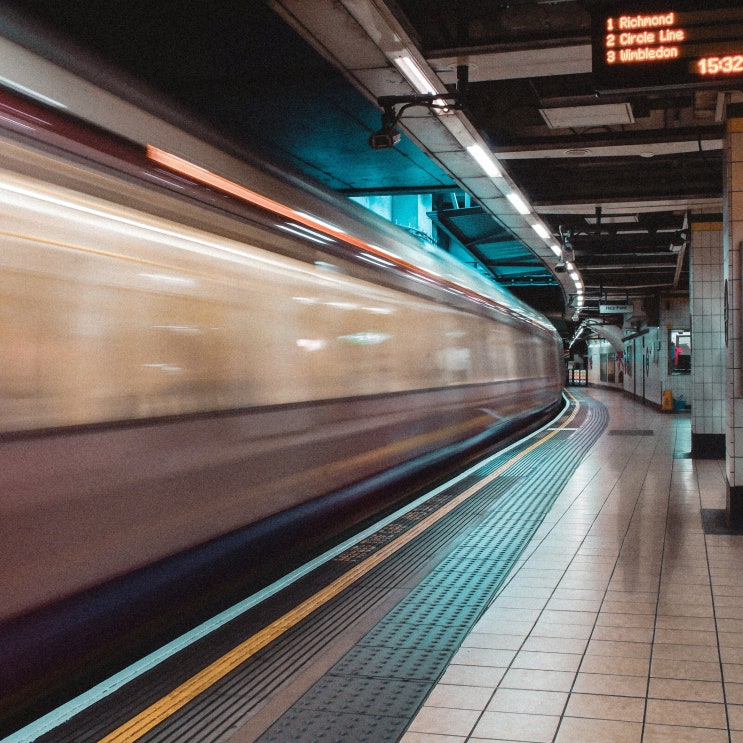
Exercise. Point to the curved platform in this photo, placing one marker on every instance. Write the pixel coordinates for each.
(522, 601)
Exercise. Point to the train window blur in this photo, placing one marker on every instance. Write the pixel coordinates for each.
(679, 351)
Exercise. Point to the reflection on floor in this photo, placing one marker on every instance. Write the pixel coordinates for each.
(623, 620)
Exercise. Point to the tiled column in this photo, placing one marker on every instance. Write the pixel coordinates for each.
(708, 369)
(733, 205)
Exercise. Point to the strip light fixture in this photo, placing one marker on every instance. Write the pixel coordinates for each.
(541, 230)
(518, 202)
(413, 73)
(484, 161)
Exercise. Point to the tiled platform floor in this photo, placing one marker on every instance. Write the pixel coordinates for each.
(623, 621)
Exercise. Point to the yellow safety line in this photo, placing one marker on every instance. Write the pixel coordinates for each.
(204, 679)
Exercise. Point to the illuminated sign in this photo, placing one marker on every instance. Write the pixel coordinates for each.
(667, 44)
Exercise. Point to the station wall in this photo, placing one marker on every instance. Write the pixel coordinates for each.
(642, 370)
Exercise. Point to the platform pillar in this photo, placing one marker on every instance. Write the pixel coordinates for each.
(709, 358)
(733, 237)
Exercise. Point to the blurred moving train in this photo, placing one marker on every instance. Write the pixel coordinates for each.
(195, 343)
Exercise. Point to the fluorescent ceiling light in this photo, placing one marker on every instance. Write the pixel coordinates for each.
(518, 202)
(484, 160)
(415, 75)
(556, 249)
(541, 230)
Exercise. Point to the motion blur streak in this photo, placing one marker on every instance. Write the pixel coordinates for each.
(193, 396)
(182, 695)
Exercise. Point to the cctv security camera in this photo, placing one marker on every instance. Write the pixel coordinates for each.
(384, 139)
(560, 267)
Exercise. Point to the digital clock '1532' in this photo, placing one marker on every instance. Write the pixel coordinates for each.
(730, 64)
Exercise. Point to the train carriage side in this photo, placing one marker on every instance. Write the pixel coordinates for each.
(183, 363)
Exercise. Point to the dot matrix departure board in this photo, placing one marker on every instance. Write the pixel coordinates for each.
(652, 45)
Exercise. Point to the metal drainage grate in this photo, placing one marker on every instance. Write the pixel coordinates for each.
(631, 432)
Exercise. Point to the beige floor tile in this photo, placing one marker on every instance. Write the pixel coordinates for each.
(683, 689)
(723, 611)
(483, 657)
(547, 661)
(572, 605)
(733, 673)
(734, 603)
(730, 639)
(519, 678)
(734, 693)
(705, 624)
(583, 730)
(685, 637)
(731, 654)
(552, 629)
(613, 619)
(516, 727)
(431, 738)
(704, 653)
(624, 582)
(459, 697)
(493, 641)
(528, 701)
(735, 716)
(495, 625)
(443, 721)
(554, 616)
(486, 676)
(526, 581)
(686, 714)
(522, 603)
(676, 734)
(682, 608)
(688, 594)
(498, 615)
(611, 685)
(615, 666)
(619, 649)
(579, 593)
(629, 607)
(604, 707)
(685, 669)
(623, 634)
(579, 581)
(556, 644)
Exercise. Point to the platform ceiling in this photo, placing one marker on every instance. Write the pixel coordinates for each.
(299, 79)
